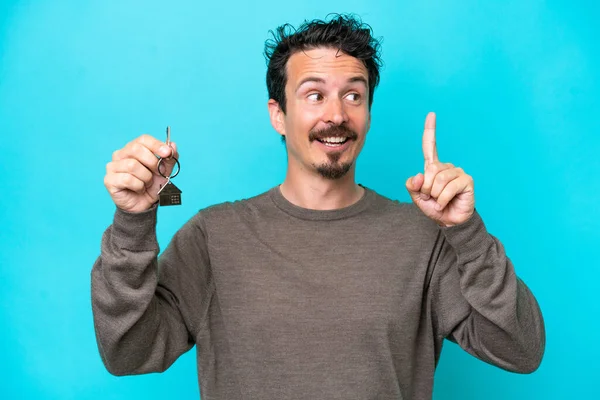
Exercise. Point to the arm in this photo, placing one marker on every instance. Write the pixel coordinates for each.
(478, 301)
(481, 304)
(147, 311)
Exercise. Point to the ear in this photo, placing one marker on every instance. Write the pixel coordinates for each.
(277, 117)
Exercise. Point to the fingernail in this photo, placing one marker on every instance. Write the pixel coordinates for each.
(425, 196)
(414, 180)
(438, 207)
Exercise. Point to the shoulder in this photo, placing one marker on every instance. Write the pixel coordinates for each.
(401, 214)
(228, 211)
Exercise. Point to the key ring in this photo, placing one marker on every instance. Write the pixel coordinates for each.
(160, 160)
(169, 194)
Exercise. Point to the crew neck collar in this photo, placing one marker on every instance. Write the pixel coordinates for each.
(320, 215)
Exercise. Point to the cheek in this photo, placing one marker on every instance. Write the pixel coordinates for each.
(301, 122)
(360, 120)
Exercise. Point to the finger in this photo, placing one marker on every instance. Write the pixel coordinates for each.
(156, 146)
(133, 167)
(138, 151)
(453, 188)
(442, 179)
(429, 144)
(430, 173)
(153, 145)
(117, 181)
(414, 183)
(169, 167)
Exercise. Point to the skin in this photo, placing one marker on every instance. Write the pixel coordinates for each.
(325, 88)
(132, 178)
(339, 97)
(444, 193)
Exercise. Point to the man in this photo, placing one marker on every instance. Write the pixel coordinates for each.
(319, 288)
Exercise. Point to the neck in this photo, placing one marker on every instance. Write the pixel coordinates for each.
(318, 193)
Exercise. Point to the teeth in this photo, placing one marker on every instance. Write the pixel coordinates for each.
(335, 139)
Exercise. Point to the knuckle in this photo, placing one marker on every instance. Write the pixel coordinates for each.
(441, 177)
(145, 140)
(126, 180)
(138, 185)
(148, 177)
(136, 147)
(109, 184)
(431, 168)
(130, 164)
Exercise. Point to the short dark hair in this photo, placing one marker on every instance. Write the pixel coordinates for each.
(343, 32)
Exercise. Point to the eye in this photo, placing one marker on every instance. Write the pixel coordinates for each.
(353, 97)
(315, 97)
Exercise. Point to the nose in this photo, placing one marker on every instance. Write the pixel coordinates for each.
(335, 112)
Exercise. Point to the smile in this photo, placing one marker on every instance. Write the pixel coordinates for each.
(333, 141)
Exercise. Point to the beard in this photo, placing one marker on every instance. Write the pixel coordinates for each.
(333, 169)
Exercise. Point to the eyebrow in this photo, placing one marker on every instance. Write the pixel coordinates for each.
(316, 79)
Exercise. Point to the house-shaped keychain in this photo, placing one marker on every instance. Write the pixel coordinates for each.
(170, 195)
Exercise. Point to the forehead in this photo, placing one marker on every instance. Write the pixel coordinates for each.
(325, 63)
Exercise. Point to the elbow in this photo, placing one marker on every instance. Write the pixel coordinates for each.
(115, 366)
(117, 371)
(127, 362)
(519, 356)
(533, 347)
(118, 361)
(530, 364)
(531, 360)
(121, 367)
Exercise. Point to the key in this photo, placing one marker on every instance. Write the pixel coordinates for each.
(169, 194)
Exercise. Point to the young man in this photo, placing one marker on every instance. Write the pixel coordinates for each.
(319, 288)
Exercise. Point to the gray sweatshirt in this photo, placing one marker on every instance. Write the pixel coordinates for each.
(284, 302)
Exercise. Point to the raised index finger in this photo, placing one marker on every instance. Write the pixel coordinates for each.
(429, 147)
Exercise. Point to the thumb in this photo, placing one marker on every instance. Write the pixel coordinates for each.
(413, 185)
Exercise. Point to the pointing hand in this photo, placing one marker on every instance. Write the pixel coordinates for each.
(443, 192)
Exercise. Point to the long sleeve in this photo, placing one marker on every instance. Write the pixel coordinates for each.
(147, 310)
(481, 304)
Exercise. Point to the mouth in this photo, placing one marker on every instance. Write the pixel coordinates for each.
(335, 139)
(336, 145)
(334, 142)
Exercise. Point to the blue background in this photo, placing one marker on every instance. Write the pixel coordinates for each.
(514, 84)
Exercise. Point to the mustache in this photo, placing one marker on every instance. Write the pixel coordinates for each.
(333, 131)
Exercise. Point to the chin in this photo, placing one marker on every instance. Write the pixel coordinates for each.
(333, 170)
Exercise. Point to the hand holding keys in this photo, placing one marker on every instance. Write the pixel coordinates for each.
(136, 181)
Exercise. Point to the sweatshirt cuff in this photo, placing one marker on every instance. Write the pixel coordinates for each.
(468, 239)
(136, 231)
